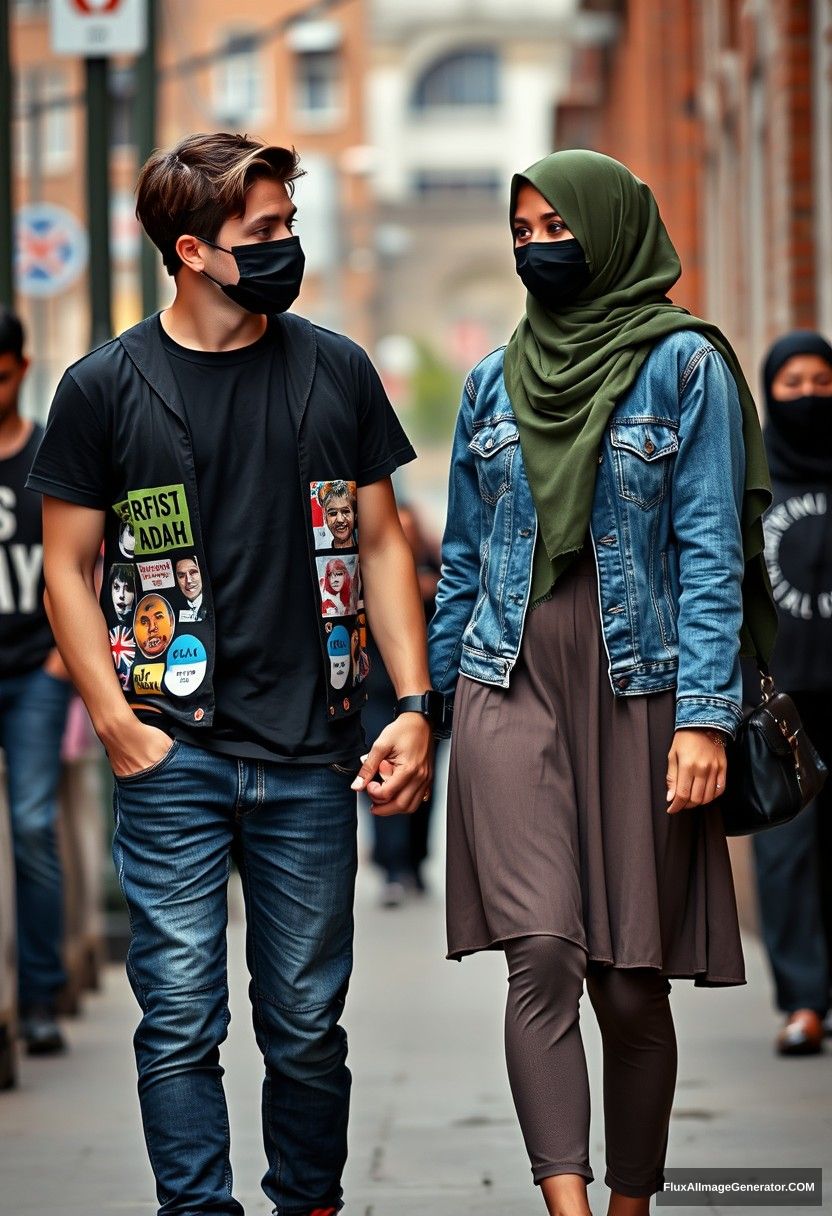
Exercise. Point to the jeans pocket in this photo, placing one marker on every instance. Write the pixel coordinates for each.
(153, 769)
(344, 770)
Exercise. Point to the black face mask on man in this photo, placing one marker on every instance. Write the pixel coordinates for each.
(554, 272)
(271, 273)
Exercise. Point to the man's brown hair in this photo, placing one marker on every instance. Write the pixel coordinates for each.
(196, 186)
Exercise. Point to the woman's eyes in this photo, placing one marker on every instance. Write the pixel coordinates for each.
(553, 228)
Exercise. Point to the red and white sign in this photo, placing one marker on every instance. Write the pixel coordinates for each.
(96, 28)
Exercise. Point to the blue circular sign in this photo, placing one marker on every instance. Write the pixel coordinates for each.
(50, 249)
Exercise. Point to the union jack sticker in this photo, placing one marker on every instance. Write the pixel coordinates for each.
(122, 647)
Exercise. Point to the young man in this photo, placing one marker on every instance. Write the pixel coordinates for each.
(208, 428)
(34, 696)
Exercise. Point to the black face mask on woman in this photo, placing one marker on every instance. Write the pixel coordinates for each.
(804, 425)
(554, 272)
(271, 273)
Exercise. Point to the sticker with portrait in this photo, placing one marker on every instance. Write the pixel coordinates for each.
(362, 662)
(153, 625)
(334, 507)
(126, 535)
(359, 658)
(188, 578)
(338, 584)
(121, 586)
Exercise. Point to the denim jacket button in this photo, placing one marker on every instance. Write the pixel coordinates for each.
(649, 447)
(601, 458)
(489, 443)
(623, 682)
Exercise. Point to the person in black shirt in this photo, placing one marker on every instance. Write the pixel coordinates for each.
(794, 862)
(34, 697)
(209, 430)
(400, 842)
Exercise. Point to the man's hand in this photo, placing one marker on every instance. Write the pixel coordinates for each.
(55, 666)
(403, 756)
(696, 769)
(137, 747)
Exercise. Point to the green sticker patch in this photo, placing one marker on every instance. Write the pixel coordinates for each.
(159, 518)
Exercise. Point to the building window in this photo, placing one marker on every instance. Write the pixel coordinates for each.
(442, 183)
(122, 90)
(465, 78)
(46, 127)
(316, 46)
(27, 10)
(239, 80)
(318, 75)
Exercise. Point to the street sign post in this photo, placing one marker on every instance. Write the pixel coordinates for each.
(98, 28)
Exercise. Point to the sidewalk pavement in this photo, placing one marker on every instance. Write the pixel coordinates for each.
(432, 1130)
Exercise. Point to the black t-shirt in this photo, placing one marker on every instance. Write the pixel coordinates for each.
(798, 531)
(269, 682)
(25, 636)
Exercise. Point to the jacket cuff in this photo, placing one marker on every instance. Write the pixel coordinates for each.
(704, 713)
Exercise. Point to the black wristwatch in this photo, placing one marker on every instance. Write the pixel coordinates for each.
(430, 705)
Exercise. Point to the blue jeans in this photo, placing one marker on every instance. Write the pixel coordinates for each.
(292, 830)
(33, 711)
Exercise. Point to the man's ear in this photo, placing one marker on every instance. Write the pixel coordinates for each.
(189, 250)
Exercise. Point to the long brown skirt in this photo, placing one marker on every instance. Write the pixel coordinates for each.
(557, 820)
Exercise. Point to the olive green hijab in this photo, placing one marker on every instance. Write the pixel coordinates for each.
(565, 372)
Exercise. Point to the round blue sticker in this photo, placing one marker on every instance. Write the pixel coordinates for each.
(187, 665)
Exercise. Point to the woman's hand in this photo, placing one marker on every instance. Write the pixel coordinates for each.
(696, 768)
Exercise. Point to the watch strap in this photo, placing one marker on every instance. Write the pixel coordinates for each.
(430, 705)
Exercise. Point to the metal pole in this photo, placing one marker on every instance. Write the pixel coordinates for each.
(6, 217)
(98, 201)
(39, 344)
(145, 118)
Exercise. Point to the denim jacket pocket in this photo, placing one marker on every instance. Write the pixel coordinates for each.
(494, 445)
(642, 452)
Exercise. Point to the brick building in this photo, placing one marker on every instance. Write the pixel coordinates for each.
(725, 108)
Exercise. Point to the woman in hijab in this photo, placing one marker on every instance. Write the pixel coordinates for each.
(602, 550)
(794, 862)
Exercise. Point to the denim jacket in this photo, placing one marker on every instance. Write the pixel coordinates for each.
(665, 529)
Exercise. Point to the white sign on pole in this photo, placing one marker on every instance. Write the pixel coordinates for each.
(94, 28)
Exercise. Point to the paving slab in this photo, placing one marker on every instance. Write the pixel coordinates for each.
(432, 1128)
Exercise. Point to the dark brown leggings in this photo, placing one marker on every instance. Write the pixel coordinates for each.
(547, 1066)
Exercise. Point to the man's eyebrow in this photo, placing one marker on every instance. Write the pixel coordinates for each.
(269, 217)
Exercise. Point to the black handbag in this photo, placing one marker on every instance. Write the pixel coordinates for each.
(774, 770)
